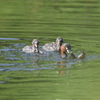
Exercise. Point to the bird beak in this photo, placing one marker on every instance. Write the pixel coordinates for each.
(36, 44)
(68, 51)
(59, 42)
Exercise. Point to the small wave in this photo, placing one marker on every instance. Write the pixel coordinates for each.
(9, 39)
(24, 69)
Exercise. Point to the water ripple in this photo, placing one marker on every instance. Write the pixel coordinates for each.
(9, 39)
(24, 69)
(13, 59)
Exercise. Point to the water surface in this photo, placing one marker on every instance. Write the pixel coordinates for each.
(48, 77)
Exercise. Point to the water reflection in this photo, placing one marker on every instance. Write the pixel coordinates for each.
(62, 66)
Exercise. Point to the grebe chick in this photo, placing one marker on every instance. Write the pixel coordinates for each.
(53, 46)
(34, 48)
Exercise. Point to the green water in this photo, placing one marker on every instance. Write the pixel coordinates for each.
(25, 77)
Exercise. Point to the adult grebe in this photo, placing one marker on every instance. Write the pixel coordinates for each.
(66, 47)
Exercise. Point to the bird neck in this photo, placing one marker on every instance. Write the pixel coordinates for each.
(36, 49)
(63, 52)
